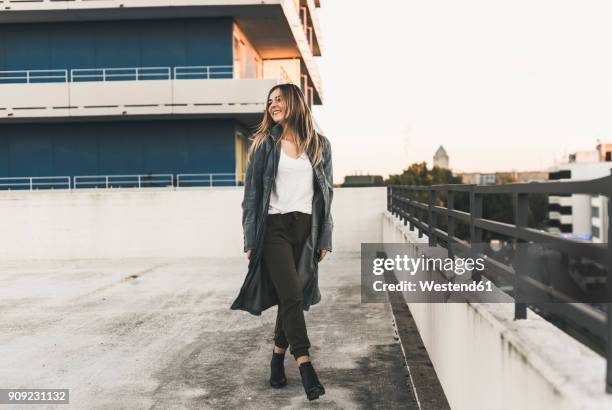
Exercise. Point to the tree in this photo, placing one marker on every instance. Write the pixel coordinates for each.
(418, 174)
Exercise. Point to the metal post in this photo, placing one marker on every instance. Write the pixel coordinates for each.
(398, 206)
(107, 181)
(139, 183)
(475, 232)
(431, 218)
(403, 207)
(210, 180)
(30, 183)
(411, 210)
(450, 205)
(521, 213)
(609, 304)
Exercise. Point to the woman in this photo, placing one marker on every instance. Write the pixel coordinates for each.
(287, 226)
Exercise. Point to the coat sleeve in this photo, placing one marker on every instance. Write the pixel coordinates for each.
(252, 197)
(325, 239)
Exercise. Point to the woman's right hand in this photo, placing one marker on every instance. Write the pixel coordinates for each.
(248, 253)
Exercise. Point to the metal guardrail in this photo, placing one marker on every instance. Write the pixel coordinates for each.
(418, 207)
(32, 183)
(33, 76)
(203, 72)
(122, 181)
(210, 180)
(120, 74)
(77, 75)
(117, 74)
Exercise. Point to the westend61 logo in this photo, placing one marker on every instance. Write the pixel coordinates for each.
(412, 266)
(421, 274)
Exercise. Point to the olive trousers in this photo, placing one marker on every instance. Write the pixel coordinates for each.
(286, 235)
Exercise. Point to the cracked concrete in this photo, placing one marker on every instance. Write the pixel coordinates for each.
(158, 334)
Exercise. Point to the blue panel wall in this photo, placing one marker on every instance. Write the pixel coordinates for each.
(112, 148)
(102, 44)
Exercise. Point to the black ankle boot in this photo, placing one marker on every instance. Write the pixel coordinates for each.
(277, 370)
(312, 386)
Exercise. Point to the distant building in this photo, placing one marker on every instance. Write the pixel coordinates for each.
(581, 216)
(605, 152)
(497, 178)
(599, 219)
(440, 158)
(352, 181)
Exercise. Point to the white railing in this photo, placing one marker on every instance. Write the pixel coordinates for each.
(120, 74)
(117, 74)
(31, 183)
(203, 72)
(209, 179)
(33, 76)
(122, 181)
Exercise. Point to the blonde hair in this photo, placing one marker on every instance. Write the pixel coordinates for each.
(298, 120)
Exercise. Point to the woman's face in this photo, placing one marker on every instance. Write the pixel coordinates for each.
(276, 106)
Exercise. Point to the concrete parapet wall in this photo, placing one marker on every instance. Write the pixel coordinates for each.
(487, 360)
(151, 222)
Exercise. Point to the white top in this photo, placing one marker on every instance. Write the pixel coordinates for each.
(294, 185)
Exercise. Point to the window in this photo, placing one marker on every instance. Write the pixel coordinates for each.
(595, 212)
(562, 174)
(595, 231)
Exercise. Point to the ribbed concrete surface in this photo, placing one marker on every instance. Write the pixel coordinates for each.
(159, 334)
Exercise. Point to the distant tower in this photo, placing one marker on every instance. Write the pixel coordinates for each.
(440, 158)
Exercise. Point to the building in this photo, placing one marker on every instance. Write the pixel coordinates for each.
(154, 88)
(581, 216)
(605, 151)
(599, 219)
(363, 181)
(498, 178)
(440, 158)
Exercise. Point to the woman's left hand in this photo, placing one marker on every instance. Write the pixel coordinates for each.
(323, 253)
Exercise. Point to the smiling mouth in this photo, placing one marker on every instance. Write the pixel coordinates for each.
(275, 112)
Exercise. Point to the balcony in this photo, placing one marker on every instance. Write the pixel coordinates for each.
(310, 24)
(273, 26)
(207, 91)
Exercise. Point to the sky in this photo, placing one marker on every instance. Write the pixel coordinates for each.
(502, 85)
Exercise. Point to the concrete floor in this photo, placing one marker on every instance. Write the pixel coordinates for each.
(159, 334)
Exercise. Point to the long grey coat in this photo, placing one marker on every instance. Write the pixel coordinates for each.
(257, 292)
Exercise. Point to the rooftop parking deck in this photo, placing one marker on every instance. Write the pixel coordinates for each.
(158, 333)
